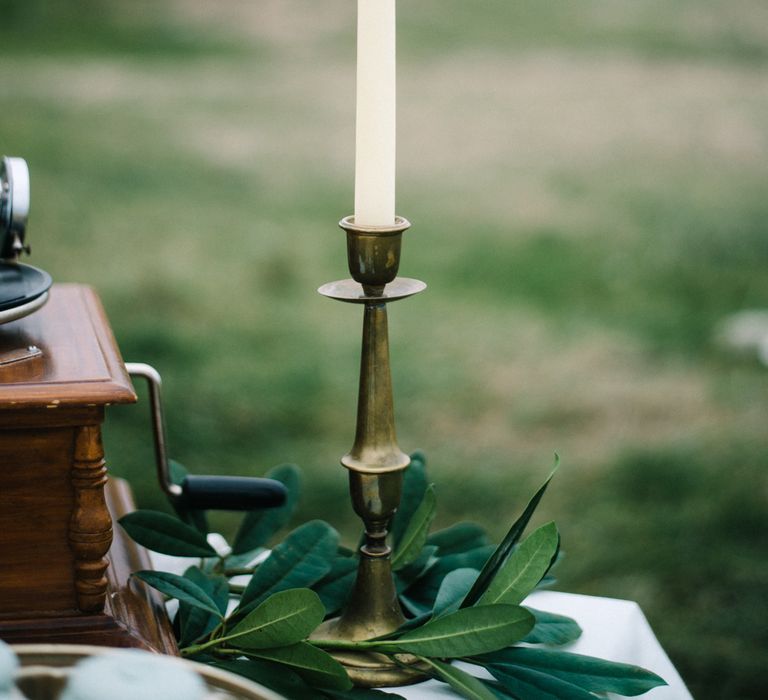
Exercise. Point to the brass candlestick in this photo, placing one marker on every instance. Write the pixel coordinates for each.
(375, 462)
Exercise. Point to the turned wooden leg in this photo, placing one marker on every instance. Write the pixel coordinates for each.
(90, 527)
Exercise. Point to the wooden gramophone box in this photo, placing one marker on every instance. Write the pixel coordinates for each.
(59, 581)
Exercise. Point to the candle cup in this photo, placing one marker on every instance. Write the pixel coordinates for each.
(375, 462)
(373, 252)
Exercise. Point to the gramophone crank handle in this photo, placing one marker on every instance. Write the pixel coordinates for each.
(231, 493)
(202, 492)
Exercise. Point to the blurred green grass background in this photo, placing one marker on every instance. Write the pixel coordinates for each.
(587, 184)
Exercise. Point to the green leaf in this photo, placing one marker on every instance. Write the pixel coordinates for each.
(245, 560)
(179, 587)
(415, 536)
(416, 608)
(414, 486)
(272, 675)
(453, 589)
(466, 632)
(283, 619)
(551, 628)
(418, 567)
(363, 694)
(503, 551)
(471, 559)
(587, 672)
(258, 526)
(163, 533)
(534, 685)
(423, 591)
(460, 537)
(462, 682)
(196, 518)
(499, 690)
(412, 623)
(300, 560)
(197, 622)
(335, 586)
(312, 664)
(525, 567)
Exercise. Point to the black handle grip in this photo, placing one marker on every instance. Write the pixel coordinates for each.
(230, 493)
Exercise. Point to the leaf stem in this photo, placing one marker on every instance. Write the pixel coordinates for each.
(197, 648)
(333, 644)
(427, 661)
(343, 644)
(231, 652)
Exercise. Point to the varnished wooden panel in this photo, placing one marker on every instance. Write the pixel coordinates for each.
(80, 365)
(68, 417)
(36, 496)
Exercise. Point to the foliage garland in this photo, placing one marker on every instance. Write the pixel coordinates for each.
(462, 595)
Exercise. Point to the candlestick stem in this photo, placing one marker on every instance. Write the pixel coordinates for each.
(375, 448)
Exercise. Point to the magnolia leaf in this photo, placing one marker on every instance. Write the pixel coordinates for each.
(418, 567)
(526, 683)
(412, 623)
(181, 588)
(196, 622)
(466, 632)
(415, 608)
(194, 517)
(454, 587)
(363, 694)
(551, 628)
(214, 585)
(525, 567)
(272, 675)
(220, 593)
(300, 560)
(503, 551)
(423, 591)
(259, 526)
(414, 486)
(471, 559)
(335, 586)
(415, 536)
(587, 672)
(283, 619)
(312, 664)
(246, 560)
(163, 533)
(460, 537)
(462, 682)
(501, 692)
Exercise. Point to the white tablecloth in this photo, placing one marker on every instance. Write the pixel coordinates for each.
(612, 629)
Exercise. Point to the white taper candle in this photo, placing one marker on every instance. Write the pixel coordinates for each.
(375, 132)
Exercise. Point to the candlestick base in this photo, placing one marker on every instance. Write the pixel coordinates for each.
(372, 611)
(369, 670)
